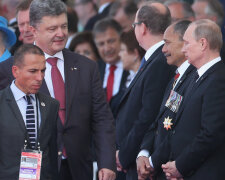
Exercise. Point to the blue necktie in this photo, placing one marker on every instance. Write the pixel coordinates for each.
(30, 121)
(143, 61)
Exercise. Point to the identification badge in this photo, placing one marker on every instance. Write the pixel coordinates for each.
(30, 165)
(174, 101)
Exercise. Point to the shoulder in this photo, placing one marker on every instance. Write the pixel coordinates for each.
(7, 63)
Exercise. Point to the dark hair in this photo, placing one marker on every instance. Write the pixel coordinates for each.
(23, 50)
(129, 39)
(103, 24)
(129, 8)
(23, 5)
(84, 37)
(42, 8)
(180, 27)
(155, 21)
(72, 20)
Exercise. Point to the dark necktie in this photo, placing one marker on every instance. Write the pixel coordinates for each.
(59, 88)
(143, 61)
(30, 121)
(110, 82)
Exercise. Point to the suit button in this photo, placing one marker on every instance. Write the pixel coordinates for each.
(173, 131)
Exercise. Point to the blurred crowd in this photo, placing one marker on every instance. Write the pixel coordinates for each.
(110, 33)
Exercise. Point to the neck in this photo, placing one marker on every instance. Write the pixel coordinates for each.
(151, 40)
(207, 57)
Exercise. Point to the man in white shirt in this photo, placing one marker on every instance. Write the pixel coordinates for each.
(28, 118)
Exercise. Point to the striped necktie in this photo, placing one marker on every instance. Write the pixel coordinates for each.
(30, 121)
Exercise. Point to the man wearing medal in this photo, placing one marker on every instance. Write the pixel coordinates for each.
(149, 156)
(28, 125)
(197, 140)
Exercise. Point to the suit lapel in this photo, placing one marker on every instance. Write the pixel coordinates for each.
(71, 70)
(189, 94)
(147, 64)
(43, 110)
(14, 108)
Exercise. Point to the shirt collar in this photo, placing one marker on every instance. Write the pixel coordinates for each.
(152, 49)
(17, 93)
(58, 55)
(183, 67)
(206, 66)
(119, 64)
(102, 7)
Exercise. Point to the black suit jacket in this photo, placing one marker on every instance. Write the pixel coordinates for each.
(140, 105)
(91, 22)
(156, 132)
(87, 115)
(13, 132)
(196, 142)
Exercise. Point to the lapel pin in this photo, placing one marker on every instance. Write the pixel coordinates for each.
(42, 104)
(73, 68)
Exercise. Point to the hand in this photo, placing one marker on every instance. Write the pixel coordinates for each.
(118, 164)
(144, 168)
(106, 174)
(171, 171)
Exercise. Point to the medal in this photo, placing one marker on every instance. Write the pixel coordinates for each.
(167, 123)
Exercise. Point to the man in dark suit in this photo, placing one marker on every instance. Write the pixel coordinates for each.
(74, 80)
(107, 38)
(196, 142)
(173, 38)
(28, 70)
(103, 11)
(140, 103)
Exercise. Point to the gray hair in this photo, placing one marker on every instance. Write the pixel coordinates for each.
(209, 30)
(41, 8)
(187, 10)
(214, 8)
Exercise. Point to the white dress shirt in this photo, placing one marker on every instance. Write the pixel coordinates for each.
(117, 76)
(48, 76)
(22, 103)
(152, 49)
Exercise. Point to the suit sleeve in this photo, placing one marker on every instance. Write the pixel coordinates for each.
(211, 136)
(103, 125)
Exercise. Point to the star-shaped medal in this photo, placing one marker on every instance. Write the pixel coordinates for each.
(167, 123)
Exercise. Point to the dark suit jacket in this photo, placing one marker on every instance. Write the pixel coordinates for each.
(196, 142)
(91, 22)
(115, 100)
(87, 114)
(140, 105)
(6, 76)
(13, 132)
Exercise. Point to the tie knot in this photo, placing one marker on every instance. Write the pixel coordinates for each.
(176, 76)
(112, 68)
(196, 76)
(52, 61)
(27, 98)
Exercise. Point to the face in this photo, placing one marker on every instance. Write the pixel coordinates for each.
(176, 11)
(108, 44)
(30, 74)
(199, 10)
(172, 47)
(191, 48)
(123, 20)
(128, 58)
(51, 33)
(80, 9)
(85, 50)
(24, 27)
